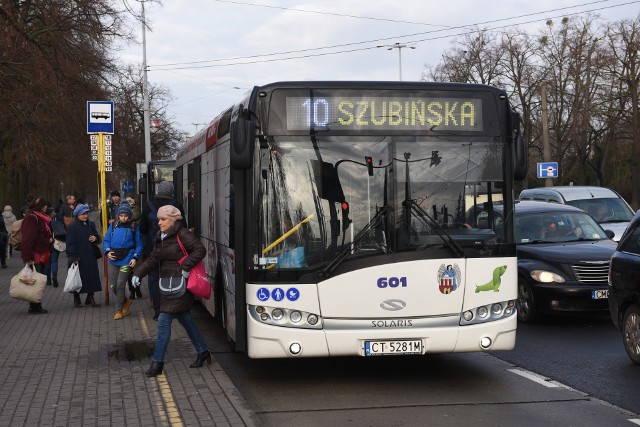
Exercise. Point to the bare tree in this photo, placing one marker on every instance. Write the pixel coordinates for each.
(624, 43)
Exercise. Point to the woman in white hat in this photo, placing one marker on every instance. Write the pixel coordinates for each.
(168, 256)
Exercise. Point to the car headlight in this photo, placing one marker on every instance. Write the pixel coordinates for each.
(544, 276)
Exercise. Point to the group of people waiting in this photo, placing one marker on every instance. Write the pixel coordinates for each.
(161, 221)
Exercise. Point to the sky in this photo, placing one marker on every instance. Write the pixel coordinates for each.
(208, 53)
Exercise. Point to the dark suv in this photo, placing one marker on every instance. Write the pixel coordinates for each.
(624, 288)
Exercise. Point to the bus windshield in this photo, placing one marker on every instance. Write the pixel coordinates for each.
(377, 195)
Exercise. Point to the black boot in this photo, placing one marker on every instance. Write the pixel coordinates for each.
(77, 303)
(205, 356)
(36, 308)
(54, 280)
(48, 281)
(155, 369)
(91, 301)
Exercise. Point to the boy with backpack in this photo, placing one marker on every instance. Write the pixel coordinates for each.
(123, 246)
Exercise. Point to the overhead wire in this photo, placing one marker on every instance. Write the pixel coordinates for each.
(473, 27)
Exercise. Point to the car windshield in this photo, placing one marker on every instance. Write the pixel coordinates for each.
(605, 210)
(556, 227)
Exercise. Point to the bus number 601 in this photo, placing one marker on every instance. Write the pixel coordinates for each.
(392, 282)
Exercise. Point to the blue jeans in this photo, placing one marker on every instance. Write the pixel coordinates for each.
(164, 333)
(51, 271)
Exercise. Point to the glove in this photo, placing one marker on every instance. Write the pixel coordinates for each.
(185, 274)
(135, 281)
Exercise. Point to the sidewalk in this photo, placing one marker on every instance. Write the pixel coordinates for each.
(80, 367)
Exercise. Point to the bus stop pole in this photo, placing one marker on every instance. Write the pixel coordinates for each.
(102, 197)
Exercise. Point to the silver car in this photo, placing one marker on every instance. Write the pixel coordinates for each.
(606, 206)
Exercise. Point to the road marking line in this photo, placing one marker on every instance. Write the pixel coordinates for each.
(634, 420)
(534, 377)
(166, 405)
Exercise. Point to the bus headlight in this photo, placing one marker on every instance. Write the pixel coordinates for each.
(488, 313)
(282, 316)
(295, 316)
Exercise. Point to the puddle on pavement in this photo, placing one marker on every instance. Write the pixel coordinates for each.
(131, 351)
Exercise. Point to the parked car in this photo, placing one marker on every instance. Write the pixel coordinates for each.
(624, 289)
(563, 260)
(605, 205)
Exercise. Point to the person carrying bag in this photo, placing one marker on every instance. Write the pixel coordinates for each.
(168, 255)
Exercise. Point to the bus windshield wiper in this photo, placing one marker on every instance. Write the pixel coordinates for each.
(340, 256)
(446, 238)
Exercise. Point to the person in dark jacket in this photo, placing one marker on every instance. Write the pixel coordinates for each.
(4, 238)
(82, 236)
(149, 229)
(37, 239)
(166, 255)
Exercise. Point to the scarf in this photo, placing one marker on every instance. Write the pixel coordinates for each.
(45, 217)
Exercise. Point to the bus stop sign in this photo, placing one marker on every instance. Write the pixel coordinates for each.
(100, 117)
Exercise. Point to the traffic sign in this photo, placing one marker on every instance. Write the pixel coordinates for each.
(548, 170)
(127, 186)
(99, 117)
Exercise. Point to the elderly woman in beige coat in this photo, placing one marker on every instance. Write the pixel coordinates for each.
(166, 254)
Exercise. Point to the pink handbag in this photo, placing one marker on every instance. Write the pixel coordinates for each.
(198, 281)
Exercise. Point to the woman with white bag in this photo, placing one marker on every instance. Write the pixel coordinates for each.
(36, 241)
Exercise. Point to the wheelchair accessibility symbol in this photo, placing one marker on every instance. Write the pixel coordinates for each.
(263, 294)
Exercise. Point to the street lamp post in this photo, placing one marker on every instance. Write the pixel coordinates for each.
(145, 92)
(398, 46)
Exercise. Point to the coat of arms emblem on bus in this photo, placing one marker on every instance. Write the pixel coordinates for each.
(449, 278)
(494, 283)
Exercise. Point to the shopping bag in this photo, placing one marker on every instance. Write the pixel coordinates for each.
(28, 285)
(73, 282)
(198, 282)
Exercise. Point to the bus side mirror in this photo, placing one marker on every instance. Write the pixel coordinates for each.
(521, 154)
(243, 135)
(142, 184)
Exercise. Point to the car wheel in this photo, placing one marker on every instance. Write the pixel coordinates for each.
(526, 304)
(631, 333)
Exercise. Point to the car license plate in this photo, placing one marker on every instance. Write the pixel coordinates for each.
(602, 294)
(383, 348)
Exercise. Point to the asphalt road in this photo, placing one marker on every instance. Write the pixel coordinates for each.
(450, 389)
(583, 352)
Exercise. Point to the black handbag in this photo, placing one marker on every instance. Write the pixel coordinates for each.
(59, 230)
(96, 248)
(120, 253)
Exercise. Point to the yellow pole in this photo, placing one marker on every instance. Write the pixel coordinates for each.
(102, 192)
(287, 234)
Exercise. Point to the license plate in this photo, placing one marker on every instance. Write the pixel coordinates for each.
(383, 348)
(603, 294)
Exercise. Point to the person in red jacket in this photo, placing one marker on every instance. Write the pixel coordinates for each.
(167, 255)
(37, 239)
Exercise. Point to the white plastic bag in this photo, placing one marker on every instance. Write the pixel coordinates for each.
(73, 282)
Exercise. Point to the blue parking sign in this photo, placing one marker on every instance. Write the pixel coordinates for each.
(548, 170)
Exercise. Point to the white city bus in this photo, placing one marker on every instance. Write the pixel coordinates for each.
(356, 218)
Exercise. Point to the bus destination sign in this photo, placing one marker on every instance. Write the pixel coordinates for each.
(384, 113)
